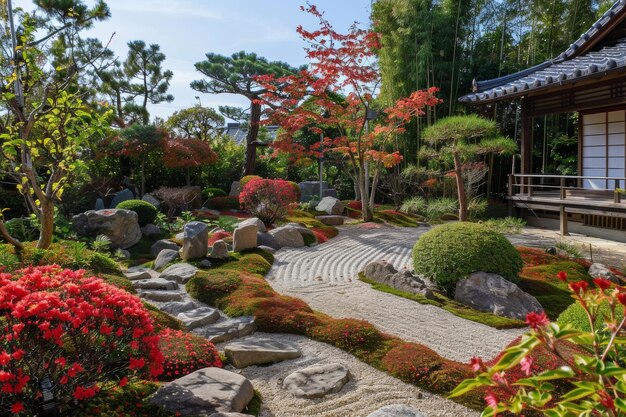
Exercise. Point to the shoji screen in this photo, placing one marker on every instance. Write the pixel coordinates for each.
(603, 147)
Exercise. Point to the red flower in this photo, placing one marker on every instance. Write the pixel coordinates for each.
(17, 408)
(123, 382)
(491, 399)
(578, 287)
(606, 400)
(621, 297)
(562, 275)
(602, 283)
(536, 320)
(476, 364)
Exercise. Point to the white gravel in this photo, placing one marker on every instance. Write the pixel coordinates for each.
(325, 276)
(367, 391)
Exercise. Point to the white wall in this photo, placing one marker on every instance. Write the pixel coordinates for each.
(604, 148)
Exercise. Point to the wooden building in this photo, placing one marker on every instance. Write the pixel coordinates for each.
(588, 78)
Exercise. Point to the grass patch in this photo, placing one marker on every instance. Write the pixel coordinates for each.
(254, 406)
(450, 306)
(396, 218)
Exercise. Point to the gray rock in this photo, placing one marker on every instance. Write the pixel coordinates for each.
(159, 245)
(122, 196)
(199, 317)
(317, 381)
(259, 352)
(267, 248)
(405, 281)
(156, 295)
(491, 293)
(176, 307)
(219, 250)
(397, 410)
(331, 192)
(229, 329)
(265, 239)
(205, 263)
(165, 257)
(120, 226)
(287, 236)
(598, 270)
(205, 392)
(99, 204)
(379, 271)
(244, 237)
(330, 220)
(254, 220)
(152, 200)
(235, 189)
(150, 229)
(195, 240)
(229, 415)
(304, 231)
(137, 274)
(180, 273)
(330, 205)
(155, 284)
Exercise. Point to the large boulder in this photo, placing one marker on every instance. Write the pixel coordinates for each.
(244, 237)
(265, 239)
(152, 200)
(219, 250)
(159, 245)
(491, 293)
(205, 392)
(259, 352)
(122, 196)
(195, 240)
(598, 270)
(317, 381)
(256, 221)
(330, 205)
(331, 220)
(121, 226)
(165, 257)
(287, 236)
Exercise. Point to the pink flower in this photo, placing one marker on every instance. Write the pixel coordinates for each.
(536, 320)
(491, 399)
(476, 364)
(526, 365)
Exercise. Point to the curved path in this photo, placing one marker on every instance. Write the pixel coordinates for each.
(325, 276)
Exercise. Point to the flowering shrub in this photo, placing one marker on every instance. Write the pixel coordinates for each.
(85, 335)
(350, 335)
(268, 200)
(185, 353)
(246, 179)
(589, 378)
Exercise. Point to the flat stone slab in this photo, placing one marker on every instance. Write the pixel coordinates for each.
(205, 392)
(155, 284)
(156, 295)
(177, 307)
(317, 381)
(139, 273)
(397, 410)
(165, 257)
(331, 220)
(180, 273)
(229, 329)
(199, 317)
(259, 352)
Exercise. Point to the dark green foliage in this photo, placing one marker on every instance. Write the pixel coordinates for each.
(450, 252)
(146, 212)
(223, 203)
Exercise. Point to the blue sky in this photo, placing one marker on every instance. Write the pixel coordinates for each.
(188, 29)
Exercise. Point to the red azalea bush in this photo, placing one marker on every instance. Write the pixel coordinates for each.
(185, 353)
(85, 335)
(269, 200)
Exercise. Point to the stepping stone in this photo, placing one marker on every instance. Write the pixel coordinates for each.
(229, 329)
(397, 410)
(205, 392)
(177, 307)
(155, 284)
(155, 295)
(331, 220)
(199, 317)
(317, 381)
(259, 352)
(165, 257)
(180, 273)
(138, 274)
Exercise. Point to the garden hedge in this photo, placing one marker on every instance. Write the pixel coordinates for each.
(146, 212)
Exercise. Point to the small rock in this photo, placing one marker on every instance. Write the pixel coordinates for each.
(259, 352)
(330, 205)
(244, 237)
(235, 189)
(331, 220)
(397, 410)
(122, 196)
(288, 236)
(137, 274)
(152, 200)
(229, 329)
(204, 392)
(253, 220)
(491, 293)
(176, 307)
(155, 295)
(598, 270)
(199, 317)
(317, 381)
(205, 263)
(219, 250)
(150, 229)
(159, 245)
(155, 284)
(267, 248)
(165, 257)
(405, 281)
(265, 239)
(195, 240)
(180, 273)
(379, 271)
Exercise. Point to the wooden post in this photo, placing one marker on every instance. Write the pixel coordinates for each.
(527, 140)
(530, 186)
(562, 189)
(563, 221)
(511, 193)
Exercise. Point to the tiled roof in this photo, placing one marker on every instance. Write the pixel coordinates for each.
(239, 132)
(570, 66)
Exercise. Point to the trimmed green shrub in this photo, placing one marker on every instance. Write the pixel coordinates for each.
(146, 212)
(450, 252)
(244, 180)
(576, 316)
(213, 192)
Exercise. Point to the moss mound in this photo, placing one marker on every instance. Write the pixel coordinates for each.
(575, 315)
(450, 252)
(146, 212)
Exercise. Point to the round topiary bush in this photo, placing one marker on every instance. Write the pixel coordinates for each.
(450, 252)
(213, 192)
(575, 316)
(246, 179)
(146, 212)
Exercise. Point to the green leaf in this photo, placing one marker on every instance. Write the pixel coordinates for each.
(584, 389)
(470, 384)
(620, 404)
(510, 358)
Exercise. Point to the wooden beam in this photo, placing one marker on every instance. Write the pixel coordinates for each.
(526, 142)
(563, 221)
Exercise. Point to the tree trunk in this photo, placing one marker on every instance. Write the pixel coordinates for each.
(5, 234)
(366, 213)
(460, 187)
(47, 225)
(143, 176)
(251, 137)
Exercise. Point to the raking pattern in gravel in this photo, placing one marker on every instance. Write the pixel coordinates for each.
(325, 276)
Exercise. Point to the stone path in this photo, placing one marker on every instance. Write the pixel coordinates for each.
(325, 276)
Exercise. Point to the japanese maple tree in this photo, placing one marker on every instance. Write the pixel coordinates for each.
(336, 92)
(187, 153)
